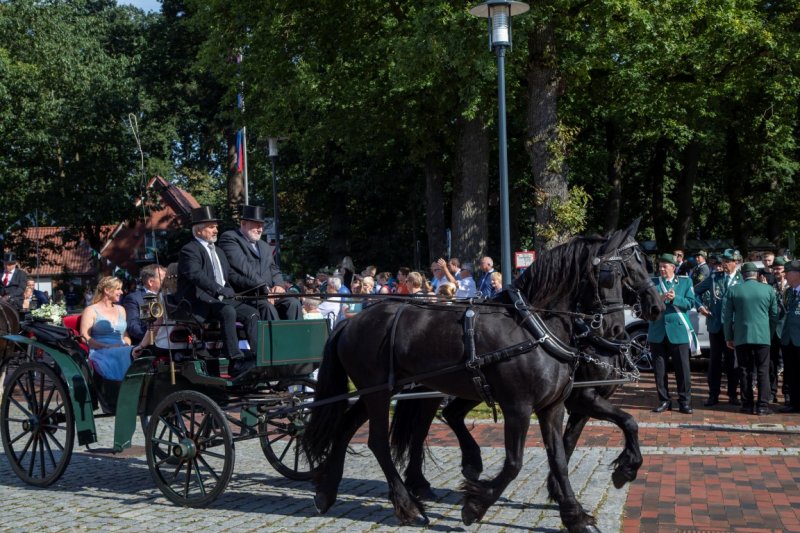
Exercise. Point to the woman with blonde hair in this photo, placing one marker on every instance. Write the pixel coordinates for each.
(103, 327)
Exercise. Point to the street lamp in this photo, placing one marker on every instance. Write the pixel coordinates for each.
(273, 155)
(499, 13)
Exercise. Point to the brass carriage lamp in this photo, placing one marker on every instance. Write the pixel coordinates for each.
(499, 13)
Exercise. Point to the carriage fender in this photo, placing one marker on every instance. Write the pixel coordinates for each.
(79, 392)
(128, 400)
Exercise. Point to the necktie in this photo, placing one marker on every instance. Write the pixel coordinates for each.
(254, 246)
(6, 279)
(216, 265)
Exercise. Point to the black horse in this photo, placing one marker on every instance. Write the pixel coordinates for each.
(603, 358)
(532, 365)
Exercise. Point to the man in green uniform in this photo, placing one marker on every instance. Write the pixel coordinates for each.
(749, 316)
(710, 293)
(790, 337)
(701, 271)
(669, 336)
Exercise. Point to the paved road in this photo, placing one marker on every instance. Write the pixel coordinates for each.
(105, 493)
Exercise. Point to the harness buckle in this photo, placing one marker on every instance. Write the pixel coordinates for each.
(597, 321)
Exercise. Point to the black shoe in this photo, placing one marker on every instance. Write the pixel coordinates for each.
(239, 366)
(734, 401)
(686, 409)
(711, 402)
(663, 406)
(789, 409)
(746, 409)
(764, 411)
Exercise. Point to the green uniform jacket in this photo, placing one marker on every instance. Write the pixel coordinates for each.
(750, 313)
(670, 324)
(791, 323)
(710, 292)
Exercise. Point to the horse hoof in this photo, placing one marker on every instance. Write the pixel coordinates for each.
(619, 478)
(470, 515)
(421, 521)
(322, 503)
(424, 494)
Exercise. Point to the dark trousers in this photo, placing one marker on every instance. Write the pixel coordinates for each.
(228, 312)
(679, 353)
(791, 373)
(754, 362)
(775, 361)
(279, 309)
(722, 358)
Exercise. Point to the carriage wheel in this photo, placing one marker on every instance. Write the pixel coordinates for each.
(37, 425)
(640, 351)
(280, 436)
(189, 449)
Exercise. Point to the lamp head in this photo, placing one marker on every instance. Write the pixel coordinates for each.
(499, 13)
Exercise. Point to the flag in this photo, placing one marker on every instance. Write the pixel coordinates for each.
(240, 151)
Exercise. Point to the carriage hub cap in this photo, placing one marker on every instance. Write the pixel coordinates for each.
(185, 449)
(31, 424)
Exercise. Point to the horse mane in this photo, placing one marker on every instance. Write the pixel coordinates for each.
(553, 280)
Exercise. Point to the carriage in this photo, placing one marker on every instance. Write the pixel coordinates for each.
(192, 412)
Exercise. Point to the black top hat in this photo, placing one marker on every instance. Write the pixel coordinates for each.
(252, 212)
(8, 257)
(203, 214)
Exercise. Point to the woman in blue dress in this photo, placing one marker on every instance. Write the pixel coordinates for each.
(103, 326)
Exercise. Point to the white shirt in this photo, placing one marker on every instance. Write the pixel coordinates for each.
(466, 288)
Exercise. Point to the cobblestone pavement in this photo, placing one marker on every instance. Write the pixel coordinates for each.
(713, 471)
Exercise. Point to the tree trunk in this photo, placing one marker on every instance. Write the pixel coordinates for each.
(734, 188)
(469, 218)
(434, 202)
(614, 176)
(548, 169)
(235, 178)
(657, 171)
(684, 194)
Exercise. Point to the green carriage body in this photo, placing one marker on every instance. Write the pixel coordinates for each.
(147, 382)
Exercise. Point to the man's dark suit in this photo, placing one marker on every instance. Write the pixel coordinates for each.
(16, 286)
(198, 287)
(136, 328)
(255, 273)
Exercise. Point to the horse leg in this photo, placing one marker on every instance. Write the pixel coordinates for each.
(572, 433)
(480, 495)
(572, 514)
(419, 415)
(454, 414)
(408, 509)
(329, 475)
(626, 465)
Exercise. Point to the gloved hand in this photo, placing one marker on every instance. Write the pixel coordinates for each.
(227, 292)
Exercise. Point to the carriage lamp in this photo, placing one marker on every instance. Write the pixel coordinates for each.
(499, 13)
(273, 155)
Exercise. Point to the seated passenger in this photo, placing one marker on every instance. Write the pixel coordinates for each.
(152, 276)
(203, 274)
(253, 272)
(103, 326)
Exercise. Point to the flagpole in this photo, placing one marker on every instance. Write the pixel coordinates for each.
(244, 173)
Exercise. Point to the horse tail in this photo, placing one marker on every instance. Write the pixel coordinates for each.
(324, 423)
(406, 418)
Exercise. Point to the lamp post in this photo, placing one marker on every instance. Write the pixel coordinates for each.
(273, 155)
(499, 13)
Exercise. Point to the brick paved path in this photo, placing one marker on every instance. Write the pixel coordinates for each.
(715, 470)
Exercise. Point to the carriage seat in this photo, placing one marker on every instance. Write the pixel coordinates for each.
(73, 323)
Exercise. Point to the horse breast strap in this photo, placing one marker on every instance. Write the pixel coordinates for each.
(474, 362)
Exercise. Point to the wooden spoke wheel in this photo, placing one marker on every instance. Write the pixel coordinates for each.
(190, 449)
(37, 424)
(280, 436)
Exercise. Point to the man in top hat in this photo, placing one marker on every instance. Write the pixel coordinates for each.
(670, 335)
(710, 294)
(13, 281)
(750, 314)
(253, 271)
(203, 282)
(701, 271)
(790, 336)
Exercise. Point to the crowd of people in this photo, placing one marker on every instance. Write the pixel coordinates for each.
(753, 321)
